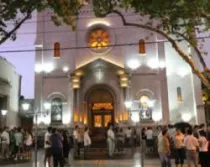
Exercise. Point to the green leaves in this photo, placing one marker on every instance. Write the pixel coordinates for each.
(18, 11)
(175, 17)
(177, 20)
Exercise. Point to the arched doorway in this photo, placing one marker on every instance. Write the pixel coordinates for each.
(100, 100)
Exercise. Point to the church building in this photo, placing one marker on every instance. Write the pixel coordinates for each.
(106, 72)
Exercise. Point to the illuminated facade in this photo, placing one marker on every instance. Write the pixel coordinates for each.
(88, 75)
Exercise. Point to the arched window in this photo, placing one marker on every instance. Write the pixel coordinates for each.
(142, 47)
(56, 110)
(57, 50)
(145, 107)
(179, 94)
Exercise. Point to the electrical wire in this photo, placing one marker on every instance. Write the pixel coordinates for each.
(80, 18)
(87, 47)
(68, 31)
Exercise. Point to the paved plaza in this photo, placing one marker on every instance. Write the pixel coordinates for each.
(100, 163)
(129, 162)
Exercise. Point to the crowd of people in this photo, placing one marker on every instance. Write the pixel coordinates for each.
(191, 143)
(16, 144)
(116, 138)
(57, 143)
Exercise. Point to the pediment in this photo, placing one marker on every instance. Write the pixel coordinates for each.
(99, 63)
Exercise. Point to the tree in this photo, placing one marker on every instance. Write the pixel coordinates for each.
(174, 20)
(13, 13)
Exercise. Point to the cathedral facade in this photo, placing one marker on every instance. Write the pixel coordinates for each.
(106, 72)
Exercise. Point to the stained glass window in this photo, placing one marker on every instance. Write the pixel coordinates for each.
(57, 50)
(97, 121)
(142, 47)
(56, 110)
(99, 39)
(179, 94)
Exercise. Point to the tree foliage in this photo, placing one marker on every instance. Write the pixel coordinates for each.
(174, 20)
(13, 13)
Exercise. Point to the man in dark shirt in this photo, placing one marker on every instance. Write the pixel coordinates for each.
(57, 148)
(202, 129)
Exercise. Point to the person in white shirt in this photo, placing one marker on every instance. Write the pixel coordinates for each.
(171, 131)
(149, 140)
(75, 133)
(111, 141)
(203, 149)
(129, 137)
(19, 143)
(179, 148)
(191, 146)
(5, 143)
(47, 147)
(164, 149)
(87, 142)
(128, 132)
(77, 138)
(149, 134)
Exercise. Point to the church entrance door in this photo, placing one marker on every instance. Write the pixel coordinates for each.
(100, 111)
(102, 114)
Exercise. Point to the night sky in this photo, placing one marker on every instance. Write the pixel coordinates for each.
(23, 61)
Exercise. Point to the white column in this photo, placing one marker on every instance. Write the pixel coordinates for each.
(71, 102)
(164, 86)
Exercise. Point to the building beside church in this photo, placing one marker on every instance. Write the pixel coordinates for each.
(10, 83)
(88, 75)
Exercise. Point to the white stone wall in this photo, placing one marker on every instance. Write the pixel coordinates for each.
(11, 90)
(179, 75)
(75, 58)
(162, 82)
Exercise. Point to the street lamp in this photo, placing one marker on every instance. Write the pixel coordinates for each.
(47, 106)
(25, 106)
(37, 112)
(3, 114)
(128, 104)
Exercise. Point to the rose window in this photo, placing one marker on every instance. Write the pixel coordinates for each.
(99, 39)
